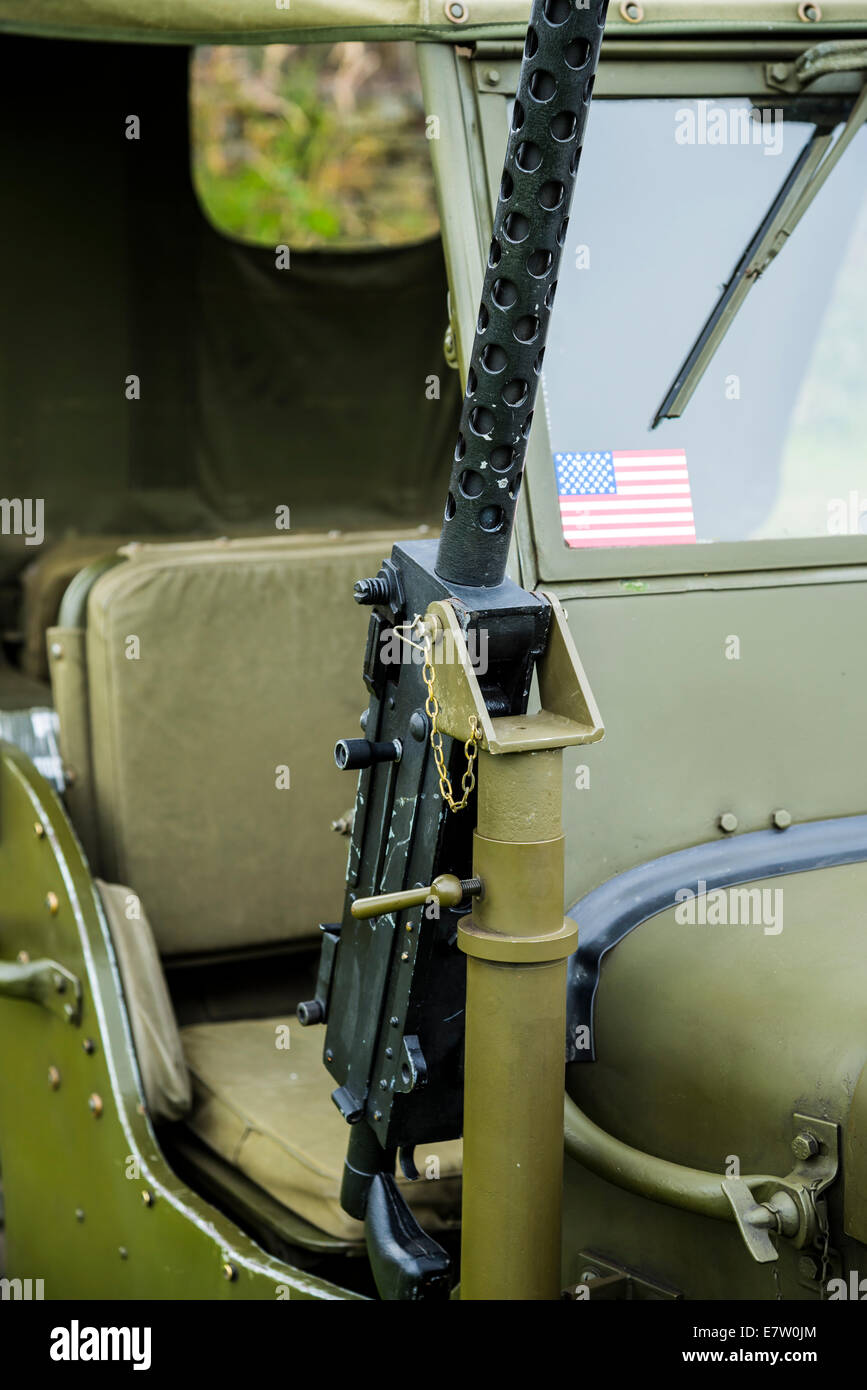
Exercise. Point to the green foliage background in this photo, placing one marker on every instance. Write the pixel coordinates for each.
(313, 146)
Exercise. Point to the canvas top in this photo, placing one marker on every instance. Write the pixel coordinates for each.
(312, 21)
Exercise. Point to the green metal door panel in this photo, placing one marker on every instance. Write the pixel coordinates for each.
(91, 1207)
(718, 699)
(743, 1027)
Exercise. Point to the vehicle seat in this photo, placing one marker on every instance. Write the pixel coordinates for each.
(204, 671)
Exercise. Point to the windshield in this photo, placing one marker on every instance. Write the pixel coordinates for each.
(774, 441)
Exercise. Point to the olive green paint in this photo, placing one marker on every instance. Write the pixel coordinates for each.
(58, 1157)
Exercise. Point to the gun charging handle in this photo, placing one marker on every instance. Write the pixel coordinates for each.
(447, 891)
(353, 753)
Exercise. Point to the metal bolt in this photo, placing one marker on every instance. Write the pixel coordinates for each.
(69, 1011)
(419, 725)
(389, 1052)
(39, 830)
(805, 1145)
(409, 926)
(329, 1054)
(782, 820)
(383, 1085)
(123, 1252)
(147, 1198)
(456, 12)
(728, 822)
(229, 1271)
(56, 650)
(363, 719)
(89, 1046)
(587, 1275)
(377, 1114)
(779, 71)
(632, 12)
(52, 902)
(405, 955)
(79, 1214)
(810, 13)
(94, 1104)
(492, 77)
(53, 1078)
(807, 1267)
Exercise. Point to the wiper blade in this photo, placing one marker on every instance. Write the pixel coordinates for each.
(807, 176)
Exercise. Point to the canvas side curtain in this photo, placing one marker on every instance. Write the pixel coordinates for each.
(260, 387)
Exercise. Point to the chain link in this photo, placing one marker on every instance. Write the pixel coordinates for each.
(471, 749)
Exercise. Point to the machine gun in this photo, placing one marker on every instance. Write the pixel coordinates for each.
(443, 988)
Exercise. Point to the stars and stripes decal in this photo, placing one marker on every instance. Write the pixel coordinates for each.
(636, 497)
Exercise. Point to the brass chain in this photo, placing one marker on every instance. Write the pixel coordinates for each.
(432, 709)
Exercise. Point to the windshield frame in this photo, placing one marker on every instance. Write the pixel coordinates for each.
(543, 553)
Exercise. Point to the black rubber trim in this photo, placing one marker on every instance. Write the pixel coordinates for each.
(609, 913)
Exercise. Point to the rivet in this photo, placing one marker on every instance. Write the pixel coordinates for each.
(94, 1104)
(405, 955)
(728, 822)
(383, 1085)
(53, 1078)
(409, 926)
(377, 1114)
(123, 1252)
(89, 1046)
(782, 820)
(56, 650)
(394, 1020)
(52, 902)
(632, 12)
(39, 830)
(389, 1052)
(809, 11)
(79, 1214)
(329, 1054)
(147, 1197)
(229, 1271)
(456, 12)
(69, 1011)
(23, 957)
(492, 77)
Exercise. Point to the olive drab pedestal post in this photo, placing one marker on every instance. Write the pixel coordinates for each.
(517, 945)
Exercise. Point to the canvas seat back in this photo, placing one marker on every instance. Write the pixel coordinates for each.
(198, 711)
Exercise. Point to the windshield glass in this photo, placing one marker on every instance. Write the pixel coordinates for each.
(774, 442)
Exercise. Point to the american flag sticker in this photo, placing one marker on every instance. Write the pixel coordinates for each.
(639, 497)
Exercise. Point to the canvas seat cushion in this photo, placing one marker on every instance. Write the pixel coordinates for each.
(162, 1068)
(267, 1109)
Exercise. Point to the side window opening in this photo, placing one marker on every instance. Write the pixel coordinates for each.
(315, 147)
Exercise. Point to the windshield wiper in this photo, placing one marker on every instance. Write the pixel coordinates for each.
(808, 175)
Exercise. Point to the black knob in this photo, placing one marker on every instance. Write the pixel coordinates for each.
(310, 1011)
(352, 753)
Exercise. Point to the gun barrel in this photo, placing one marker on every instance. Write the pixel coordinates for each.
(555, 87)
